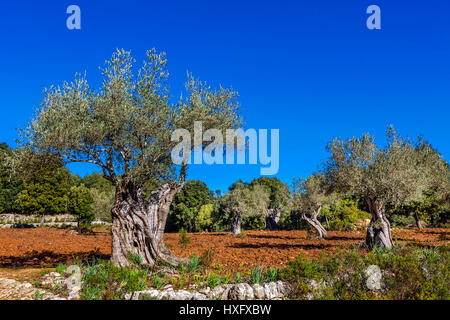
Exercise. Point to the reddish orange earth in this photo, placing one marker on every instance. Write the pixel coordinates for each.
(42, 247)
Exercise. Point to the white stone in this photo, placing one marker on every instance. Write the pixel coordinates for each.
(258, 291)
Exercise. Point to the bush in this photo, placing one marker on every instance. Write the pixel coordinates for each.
(184, 239)
(104, 281)
(344, 215)
(80, 201)
(186, 207)
(256, 275)
(207, 258)
(408, 273)
(204, 220)
(102, 204)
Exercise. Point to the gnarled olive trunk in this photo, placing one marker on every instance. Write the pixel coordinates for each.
(419, 223)
(138, 225)
(314, 222)
(236, 224)
(272, 219)
(379, 231)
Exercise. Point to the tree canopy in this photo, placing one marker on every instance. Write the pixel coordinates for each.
(125, 126)
(187, 204)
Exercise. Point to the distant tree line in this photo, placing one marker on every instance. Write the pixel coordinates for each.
(404, 183)
(41, 185)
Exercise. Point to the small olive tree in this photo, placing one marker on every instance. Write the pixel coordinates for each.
(244, 202)
(279, 197)
(398, 174)
(310, 196)
(125, 127)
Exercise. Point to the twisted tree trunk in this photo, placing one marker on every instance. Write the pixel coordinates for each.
(419, 223)
(138, 225)
(272, 219)
(315, 223)
(236, 224)
(379, 231)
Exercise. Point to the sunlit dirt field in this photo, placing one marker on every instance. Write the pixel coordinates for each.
(45, 247)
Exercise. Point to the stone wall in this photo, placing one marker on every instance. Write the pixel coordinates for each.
(242, 291)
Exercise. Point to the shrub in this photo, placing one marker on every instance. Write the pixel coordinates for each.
(207, 258)
(256, 275)
(272, 274)
(203, 220)
(407, 273)
(184, 239)
(344, 215)
(102, 204)
(194, 263)
(104, 281)
(80, 201)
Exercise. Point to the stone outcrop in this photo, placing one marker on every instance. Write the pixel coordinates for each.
(241, 291)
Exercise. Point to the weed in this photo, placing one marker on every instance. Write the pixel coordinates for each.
(272, 274)
(184, 238)
(256, 275)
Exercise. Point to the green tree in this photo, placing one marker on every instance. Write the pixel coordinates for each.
(344, 214)
(279, 196)
(10, 182)
(96, 181)
(102, 204)
(80, 204)
(125, 128)
(245, 202)
(187, 204)
(399, 174)
(46, 185)
(204, 220)
(311, 195)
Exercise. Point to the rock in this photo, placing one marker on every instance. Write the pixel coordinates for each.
(198, 296)
(271, 290)
(205, 291)
(74, 292)
(374, 277)
(241, 291)
(54, 275)
(258, 292)
(226, 291)
(284, 289)
(237, 292)
(183, 295)
(249, 294)
(216, 292)
(146, 295)
(316, 289)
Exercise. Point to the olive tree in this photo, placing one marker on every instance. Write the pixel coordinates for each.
(279, 199)
(244, 202)
(125, 127)
(310, 196)
(397, 174)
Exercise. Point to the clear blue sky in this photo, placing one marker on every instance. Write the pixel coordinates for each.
(309, 68)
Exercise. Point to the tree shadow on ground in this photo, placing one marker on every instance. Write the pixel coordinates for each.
(348, 238)
(283, 246)
(49, 258)
(265, 236)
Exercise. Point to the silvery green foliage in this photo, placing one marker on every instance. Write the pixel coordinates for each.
(125, 125)
(248, 201)
(312, 194)
(399, 173)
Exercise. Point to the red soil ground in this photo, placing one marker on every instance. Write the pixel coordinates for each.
(45, 247)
